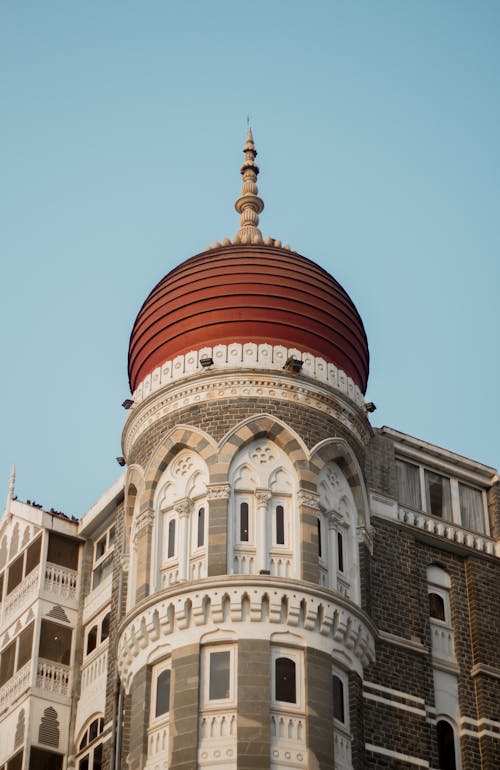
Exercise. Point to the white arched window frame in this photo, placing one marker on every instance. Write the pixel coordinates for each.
(263, 488)
(181, 494)
(339, 549)
(295, 656)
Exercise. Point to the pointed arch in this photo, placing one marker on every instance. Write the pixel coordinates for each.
(277, 431)
(337, 449)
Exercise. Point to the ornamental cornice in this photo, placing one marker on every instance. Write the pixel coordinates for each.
(244, 385)
(250, 607)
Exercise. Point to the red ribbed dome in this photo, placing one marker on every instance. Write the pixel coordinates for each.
(248, 294)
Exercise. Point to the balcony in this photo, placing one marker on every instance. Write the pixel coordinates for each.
(15, 686)
(53, 677)
(61, 581)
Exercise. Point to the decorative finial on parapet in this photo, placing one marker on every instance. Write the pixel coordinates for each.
(249, 205)
(10, 493)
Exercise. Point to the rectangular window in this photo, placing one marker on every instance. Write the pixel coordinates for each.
(100, 548)
(171, 539)
(280, 525)
(471, 508)
(244, 522)
(7, 659)
(338, 698)
(33, 556)
(219, 675)
(201, 527)
(340, 551)
(16, 763)
(63, 551)
(55, 642)
(438, 495)
(40, 759)
(408, 484)
(25, 646)
(162, 704)
(102, 571)
(15, 573)
(1, 587)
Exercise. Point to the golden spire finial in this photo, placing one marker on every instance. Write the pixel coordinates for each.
(249, 205)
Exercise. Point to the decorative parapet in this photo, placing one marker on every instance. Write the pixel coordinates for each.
(250, 606)
(53, 677)
(248, 355)
(389, 509)
(61, 581)
(448, 530)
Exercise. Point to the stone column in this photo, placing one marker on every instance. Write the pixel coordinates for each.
(183, 509)
(254, 733)
(217, 498)
(143, 545)
(308, 502)
(262, 538)
(334, 521)
(319, 709)
(184, 708)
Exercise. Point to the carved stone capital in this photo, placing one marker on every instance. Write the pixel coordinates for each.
(308, 499)
(262, 496)
(145, 519)
(366, 536)
(183, 508)
(218, 491)
(335, 519)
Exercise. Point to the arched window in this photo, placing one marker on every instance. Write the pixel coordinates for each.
(171, 539)
(338, 699)
(92, 640)
(244, 522)
(436, 607)
(446, 745)
(263, 527)
(162, 702)
(201, 527)
(284, 680)
(340, 552)
(91, 759)
(105, 627)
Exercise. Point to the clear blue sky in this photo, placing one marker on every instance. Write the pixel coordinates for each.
(377, 125)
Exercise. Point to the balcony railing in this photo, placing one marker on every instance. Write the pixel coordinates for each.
(22, 593)
(442, 641)
(15, 686)
(61, 580)
(288, 740)
(158, 740)
(53, 677)
(218, 747)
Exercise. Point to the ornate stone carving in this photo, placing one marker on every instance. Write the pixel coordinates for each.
(218, 491)
(144, 519)
(308, 499)
(183, 508)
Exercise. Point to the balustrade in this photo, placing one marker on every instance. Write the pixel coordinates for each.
(22, 593)
(53, 677)
(94, 670)
(342, 750)
(15, 686)
(288, 740)
(61, 580)
(217, 740)
(158, 747)
(281, 566)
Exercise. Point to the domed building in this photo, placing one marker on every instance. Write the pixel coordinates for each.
(272, 583)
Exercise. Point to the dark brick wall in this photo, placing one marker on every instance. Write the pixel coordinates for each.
(254, 673)
(218, 417)
(136, 722)
(319, 707)
(494, 509)
(185, 704)
(381, 466)
(356, 719)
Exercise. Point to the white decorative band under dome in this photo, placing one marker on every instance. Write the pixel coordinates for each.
(248, 355)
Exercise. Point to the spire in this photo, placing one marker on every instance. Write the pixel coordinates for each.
(249, 205)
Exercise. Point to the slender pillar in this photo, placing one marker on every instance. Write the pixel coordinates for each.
(262, 538)
(183, 509)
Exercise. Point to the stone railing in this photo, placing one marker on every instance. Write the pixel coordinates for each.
(22, 593)
(447, 529)
(61, 580)
(158, 746)
(244, 561)
(197, 567)
(288, 740)
(343, 586)
(443, 645)
(93, 670)
(15, 686)
(184, 613)
(169, 576)
(53, 677)
(342, 750)
(251, 356)
(217, 746)
(281, 565)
